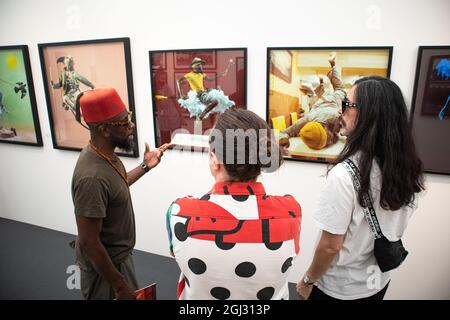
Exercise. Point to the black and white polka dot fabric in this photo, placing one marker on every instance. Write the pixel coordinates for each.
(235, 242)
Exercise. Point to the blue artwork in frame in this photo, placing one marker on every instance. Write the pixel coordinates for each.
(430, 110)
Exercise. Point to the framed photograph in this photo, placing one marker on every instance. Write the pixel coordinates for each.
(281, 64)
(430, 109)
(183, 59)
(69, 68)
(187, 97)
(305, 88)
(19, 121)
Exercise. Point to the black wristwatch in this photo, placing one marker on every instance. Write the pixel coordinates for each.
(145, 167)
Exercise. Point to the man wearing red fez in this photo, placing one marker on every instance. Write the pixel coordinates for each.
(101, 197)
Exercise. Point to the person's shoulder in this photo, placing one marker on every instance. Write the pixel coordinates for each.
(279, 206)
(190, 198)
(83, 159)
(339, 174)
(287, 198)
(86, 157)
(85, 153)
(89, 165)
(188, 203)
(338, 170)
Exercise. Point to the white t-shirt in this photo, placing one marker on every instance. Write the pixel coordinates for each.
(354, 272)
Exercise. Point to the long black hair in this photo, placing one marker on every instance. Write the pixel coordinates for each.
(383, 132)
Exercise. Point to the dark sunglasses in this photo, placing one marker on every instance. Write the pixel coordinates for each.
(347, 104)
(121, 123)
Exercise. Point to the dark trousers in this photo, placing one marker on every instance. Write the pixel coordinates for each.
(318, 294)
(94, 287)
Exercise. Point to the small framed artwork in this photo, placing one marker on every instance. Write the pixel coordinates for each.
(70, 68)
(19, 121)
(281, 64)
(430, 110)
(305, 89)
(183, 59)
(193, 90)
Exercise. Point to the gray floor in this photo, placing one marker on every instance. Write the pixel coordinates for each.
(35, 260)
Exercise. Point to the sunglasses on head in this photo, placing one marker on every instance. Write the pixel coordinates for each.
(121, 123)
(347, 104)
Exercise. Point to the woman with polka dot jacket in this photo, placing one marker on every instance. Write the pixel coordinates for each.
(236, 242)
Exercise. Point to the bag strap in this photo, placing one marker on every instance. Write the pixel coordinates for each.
(368, 208)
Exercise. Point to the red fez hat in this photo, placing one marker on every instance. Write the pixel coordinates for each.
(100, 105)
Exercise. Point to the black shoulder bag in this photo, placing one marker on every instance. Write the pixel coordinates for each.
(389, 255)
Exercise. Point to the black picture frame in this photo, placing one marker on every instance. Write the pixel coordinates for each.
(174, 70)
(429, 130)
(25, 90)
(302, 156)
(125, 81)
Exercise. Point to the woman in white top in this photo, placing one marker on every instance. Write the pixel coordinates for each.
(380, 143)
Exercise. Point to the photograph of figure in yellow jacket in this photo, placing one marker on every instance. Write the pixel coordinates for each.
(201, 101)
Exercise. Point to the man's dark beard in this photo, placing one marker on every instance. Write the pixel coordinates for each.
(123, 143)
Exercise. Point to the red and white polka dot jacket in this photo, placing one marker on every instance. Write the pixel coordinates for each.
(235, 242)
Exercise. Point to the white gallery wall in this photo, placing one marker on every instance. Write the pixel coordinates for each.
(35, 182)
